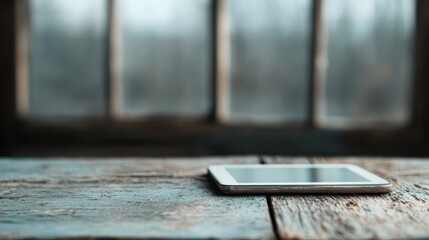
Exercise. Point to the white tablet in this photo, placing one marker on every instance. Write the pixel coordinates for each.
(296, 178)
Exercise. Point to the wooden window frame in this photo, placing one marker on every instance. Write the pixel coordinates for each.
(162, 137)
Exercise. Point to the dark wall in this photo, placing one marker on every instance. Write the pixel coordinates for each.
(7, 75)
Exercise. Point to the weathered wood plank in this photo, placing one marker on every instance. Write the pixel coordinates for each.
(401, 214)
(109, 204)
(96, 169)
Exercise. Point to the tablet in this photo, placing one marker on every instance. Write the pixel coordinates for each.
(296, 178)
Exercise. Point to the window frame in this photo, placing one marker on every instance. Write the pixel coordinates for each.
(211, 135)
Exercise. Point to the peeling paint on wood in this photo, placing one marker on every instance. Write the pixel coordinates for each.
(401, 214)
(132, 198)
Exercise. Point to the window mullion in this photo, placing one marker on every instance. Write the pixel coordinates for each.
(319, 60)
(222, 60)
(113, 85)
(22, 33)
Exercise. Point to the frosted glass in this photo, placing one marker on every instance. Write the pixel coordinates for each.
(166, 57)
(270, 45)
(369, 70)
(67, 57)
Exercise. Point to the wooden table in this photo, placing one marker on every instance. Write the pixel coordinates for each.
(173, 198)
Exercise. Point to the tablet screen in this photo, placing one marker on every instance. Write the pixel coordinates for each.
(295, 175)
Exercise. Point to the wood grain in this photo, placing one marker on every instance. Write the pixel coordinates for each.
(59, 199)
(401, 214)
(93, 169)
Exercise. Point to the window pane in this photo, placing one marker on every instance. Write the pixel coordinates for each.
(67, 57)
(369, 62)
(270, 60)
(166, 57)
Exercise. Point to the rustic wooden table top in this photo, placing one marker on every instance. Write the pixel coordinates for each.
(173, 198)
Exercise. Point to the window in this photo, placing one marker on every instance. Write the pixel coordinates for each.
(166, 58)
(66, 58)
(270, 60)
(225, 69)
(368, 51)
